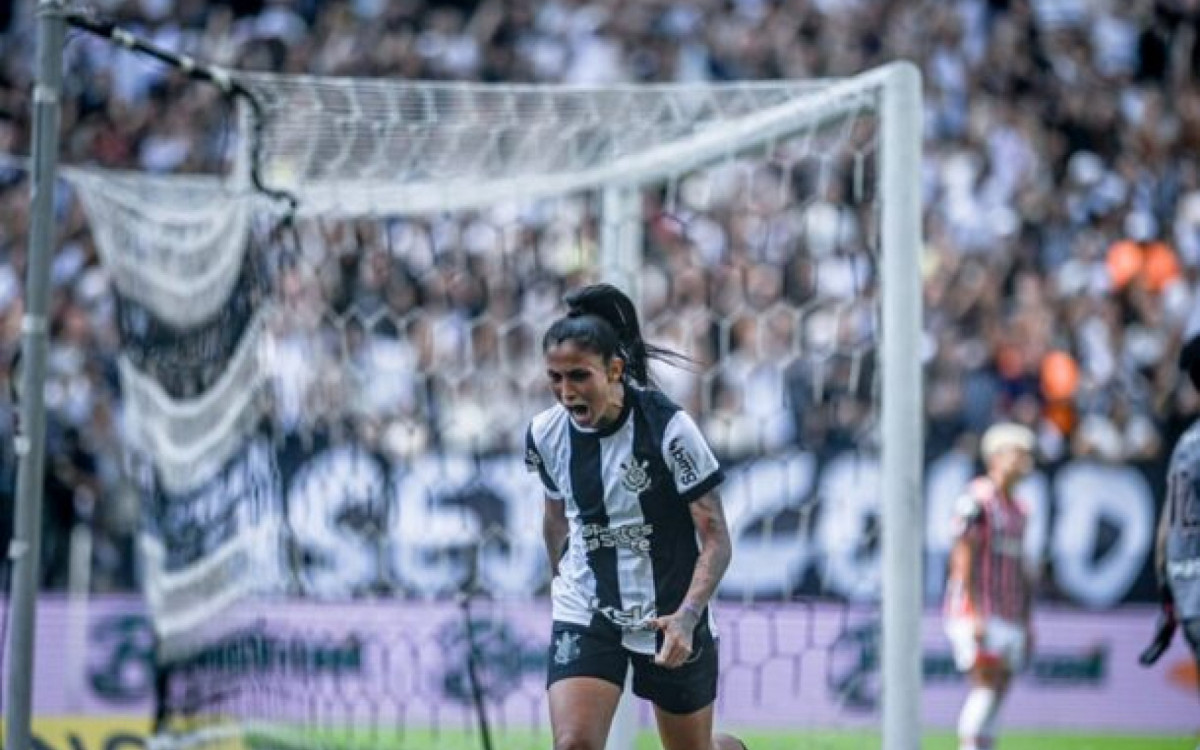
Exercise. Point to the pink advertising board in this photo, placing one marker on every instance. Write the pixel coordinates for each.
(783, 665)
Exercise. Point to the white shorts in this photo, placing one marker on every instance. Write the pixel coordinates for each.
(1003, 641)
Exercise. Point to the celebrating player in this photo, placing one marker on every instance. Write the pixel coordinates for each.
(636, 535)
(1177, 546)
(990, 588)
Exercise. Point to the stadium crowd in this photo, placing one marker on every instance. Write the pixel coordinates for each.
(1061, 188)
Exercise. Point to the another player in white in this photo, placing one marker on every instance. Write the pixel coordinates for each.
(990, 587)
(1177, 546)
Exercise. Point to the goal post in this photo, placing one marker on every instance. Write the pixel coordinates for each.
(309, 420)
(903, 415)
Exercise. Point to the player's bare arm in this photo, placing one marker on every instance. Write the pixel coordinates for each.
(554, 531)
(716, 550)
(963, 571)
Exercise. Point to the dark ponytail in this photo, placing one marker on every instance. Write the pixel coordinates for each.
(602, 318)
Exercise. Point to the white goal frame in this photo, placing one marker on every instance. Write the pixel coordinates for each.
(902, 395)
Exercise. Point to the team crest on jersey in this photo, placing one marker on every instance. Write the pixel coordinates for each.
(566, 648)
(636, 477)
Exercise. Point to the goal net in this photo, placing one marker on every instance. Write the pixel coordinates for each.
(341, 545)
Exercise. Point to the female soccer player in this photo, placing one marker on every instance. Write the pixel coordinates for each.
(990, 588)
(636, 535)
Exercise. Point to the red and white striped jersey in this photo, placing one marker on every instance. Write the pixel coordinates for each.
(994, 525)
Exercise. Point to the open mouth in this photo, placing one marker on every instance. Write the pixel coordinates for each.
(578, 411)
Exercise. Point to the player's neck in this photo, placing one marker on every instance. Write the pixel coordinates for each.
(616, 407)
(1004, 483)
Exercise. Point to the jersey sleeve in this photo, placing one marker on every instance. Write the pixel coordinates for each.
(690, 459)
(534, 463)
(968, 515)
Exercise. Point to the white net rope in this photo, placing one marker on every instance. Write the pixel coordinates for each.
(174, 243)
(341, 409)
(191, 438)
(176, 247)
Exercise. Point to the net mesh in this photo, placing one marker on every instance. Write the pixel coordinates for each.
(381, 147)
(331, 409)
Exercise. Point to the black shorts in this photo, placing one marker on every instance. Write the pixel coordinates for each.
(596, 651)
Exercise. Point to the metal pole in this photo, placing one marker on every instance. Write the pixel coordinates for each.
(29, 445)
(902, 433)
(621, 236)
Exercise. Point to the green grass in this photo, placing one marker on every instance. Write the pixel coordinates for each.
(756, 740)
(947, 741)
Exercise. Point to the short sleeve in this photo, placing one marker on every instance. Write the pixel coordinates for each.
(534, 463)
(968, 515)
(689, 458)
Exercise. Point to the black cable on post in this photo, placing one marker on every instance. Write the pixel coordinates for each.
(199, 71)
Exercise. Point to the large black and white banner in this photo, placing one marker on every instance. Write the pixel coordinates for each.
(333, 519)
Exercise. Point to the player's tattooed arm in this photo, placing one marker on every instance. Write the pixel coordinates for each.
(554, 531)
(716, 550)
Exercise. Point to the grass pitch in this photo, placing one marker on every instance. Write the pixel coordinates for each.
(755, 740)
(947, 741)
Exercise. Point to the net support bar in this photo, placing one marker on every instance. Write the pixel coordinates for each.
(29, 445)
(620, 261)
(902, 434)
(621, 238)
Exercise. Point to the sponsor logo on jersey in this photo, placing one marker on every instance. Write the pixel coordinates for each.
(685, 465)
(1179, 570)
(636, 478)
(566, 648)
(635, 536)
(633, 618)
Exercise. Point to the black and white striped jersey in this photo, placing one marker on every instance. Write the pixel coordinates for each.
(632, 545)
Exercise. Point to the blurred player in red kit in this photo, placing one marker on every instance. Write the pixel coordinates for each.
(990, 586)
